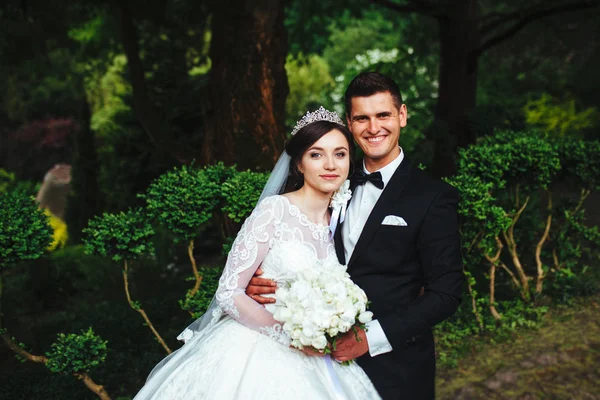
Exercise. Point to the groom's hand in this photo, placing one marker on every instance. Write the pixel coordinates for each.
(258, 286)
(348, 348)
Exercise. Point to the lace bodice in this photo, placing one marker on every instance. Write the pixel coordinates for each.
(282, 240)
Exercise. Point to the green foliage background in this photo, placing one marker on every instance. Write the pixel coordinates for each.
(536, 116)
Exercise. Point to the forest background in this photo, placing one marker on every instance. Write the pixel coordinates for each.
(144, 98)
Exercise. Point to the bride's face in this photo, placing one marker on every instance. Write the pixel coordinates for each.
(326, 163)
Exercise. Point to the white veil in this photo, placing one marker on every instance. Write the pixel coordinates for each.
(278, 178)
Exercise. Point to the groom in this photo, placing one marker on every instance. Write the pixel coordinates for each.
(399, 238)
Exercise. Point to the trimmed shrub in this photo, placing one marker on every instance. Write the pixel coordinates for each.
(74, 353)
(122, 236)
(25, 232)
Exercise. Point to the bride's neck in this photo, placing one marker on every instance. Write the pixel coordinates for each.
(312, 203)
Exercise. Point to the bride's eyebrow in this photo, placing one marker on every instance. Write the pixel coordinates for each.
(321, 149)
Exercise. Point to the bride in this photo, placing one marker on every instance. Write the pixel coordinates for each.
(237, 350)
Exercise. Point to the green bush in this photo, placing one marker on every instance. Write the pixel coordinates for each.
(25, 232)
(524, 160)
(182, 200)
(219, 173)
(241, 193)
(514, 231)
(481, 219)
(574, 244)
(74, 353)
(123, 236)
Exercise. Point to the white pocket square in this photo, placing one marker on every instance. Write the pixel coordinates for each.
(394, 220)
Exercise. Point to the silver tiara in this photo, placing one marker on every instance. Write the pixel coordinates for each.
(320, 115)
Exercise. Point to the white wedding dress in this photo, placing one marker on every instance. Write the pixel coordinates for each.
(241, 352)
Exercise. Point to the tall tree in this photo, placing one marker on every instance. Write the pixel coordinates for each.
(248, 84)
(467, 29)
(243, 102)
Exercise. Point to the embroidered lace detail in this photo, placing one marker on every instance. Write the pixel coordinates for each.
(244, 252)
(319, 232)
(276, 333)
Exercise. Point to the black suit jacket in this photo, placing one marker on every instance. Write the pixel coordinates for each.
(392, 263)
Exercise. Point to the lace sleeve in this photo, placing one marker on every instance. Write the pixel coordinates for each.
(248, 251)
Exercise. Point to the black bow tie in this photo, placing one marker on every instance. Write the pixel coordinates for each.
(360, 178)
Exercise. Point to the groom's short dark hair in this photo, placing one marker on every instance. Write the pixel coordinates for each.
(367, 84)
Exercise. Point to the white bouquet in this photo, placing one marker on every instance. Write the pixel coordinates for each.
(320, 305)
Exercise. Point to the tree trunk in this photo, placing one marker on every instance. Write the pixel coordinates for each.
(85, 199)
(248, 85)
(459, 40)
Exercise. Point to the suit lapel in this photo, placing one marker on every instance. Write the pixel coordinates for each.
(390, 193)
(339, 244)
(338, 238)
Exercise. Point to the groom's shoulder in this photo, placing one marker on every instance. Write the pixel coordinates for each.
(430, 183)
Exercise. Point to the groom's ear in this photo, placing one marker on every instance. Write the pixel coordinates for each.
(403, 114)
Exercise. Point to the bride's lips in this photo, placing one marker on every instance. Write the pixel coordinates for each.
(329, 177)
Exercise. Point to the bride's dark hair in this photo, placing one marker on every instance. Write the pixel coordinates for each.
(303, 140)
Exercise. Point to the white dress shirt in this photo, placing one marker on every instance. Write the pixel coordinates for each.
(364, 198)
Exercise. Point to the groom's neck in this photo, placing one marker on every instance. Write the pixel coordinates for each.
(375, 164)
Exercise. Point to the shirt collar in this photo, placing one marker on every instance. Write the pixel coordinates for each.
(388, 170)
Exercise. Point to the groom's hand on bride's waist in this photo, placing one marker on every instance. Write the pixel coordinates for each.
(348, 348)
(259, 286)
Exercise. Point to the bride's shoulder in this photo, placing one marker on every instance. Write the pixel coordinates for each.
(275, 203)
(273, 199)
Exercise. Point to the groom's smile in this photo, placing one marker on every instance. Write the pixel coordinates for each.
(376, 139)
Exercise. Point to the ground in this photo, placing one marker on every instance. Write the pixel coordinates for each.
(560, 360)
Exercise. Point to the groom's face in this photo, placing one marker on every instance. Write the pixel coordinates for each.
(375, 122)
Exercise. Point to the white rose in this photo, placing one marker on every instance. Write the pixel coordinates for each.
(319, 342)
(308, 274)
(361, 306)
(298, 316)
(365, 317)
(338, 271)
(309, 329)
(282, 295)
(282, 314)
(305, 341)
(345, 326)
(349, 312)
(287, 327)
(334, 321)
(333, 331)
(321, 319)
